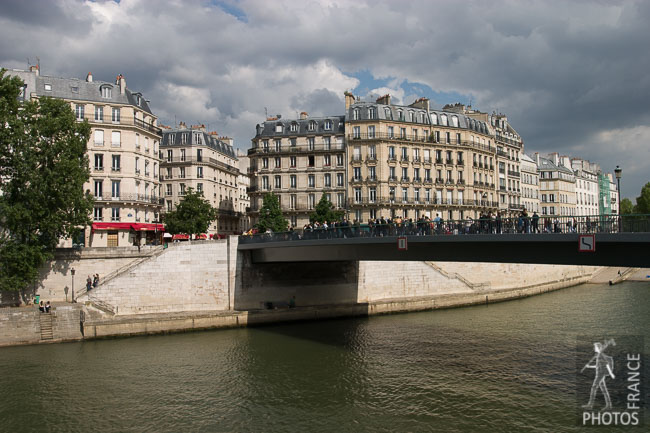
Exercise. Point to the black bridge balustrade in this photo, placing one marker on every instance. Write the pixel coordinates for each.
(548, 224)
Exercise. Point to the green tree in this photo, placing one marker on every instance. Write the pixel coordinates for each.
(325, 211)
(626, 206)
(192, 215)
(43, 167)
(643, 201)
(271, 215)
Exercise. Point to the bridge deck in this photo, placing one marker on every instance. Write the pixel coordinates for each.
(611, 249)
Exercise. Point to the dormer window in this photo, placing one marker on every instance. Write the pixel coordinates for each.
(412, 116)
(328, 125)
(372, 113)
(400, 115)
(74, 89)
(48, 87)
(278, 127)
(294, 127)
(434, 118)
(107, 92)
(443, 120)
(388, 114)
(312, 126)
(454, 121)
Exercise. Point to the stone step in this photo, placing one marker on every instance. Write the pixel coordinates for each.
(46, 326)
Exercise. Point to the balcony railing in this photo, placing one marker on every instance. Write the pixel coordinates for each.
(203, 160)
(124, 121)
(131, 197)
(418, 139)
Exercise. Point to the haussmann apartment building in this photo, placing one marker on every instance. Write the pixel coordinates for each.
(123, 154)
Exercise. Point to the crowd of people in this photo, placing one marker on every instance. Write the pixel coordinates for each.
(486, 223)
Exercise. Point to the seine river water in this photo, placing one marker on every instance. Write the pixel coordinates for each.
(501, 367)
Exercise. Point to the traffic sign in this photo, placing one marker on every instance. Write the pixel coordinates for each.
(402, 244)
(587, 243)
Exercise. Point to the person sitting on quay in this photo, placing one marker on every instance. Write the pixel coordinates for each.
(47, 307)
(41, 307)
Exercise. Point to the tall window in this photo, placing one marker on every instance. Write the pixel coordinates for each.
(327, 141)
(199, 172)
(116, 139)
(278, 162)
(339, 179)
(99, 188)
(357, 195)
(107, 92)
(278, 182)
(99, 114)
(328, 125)
(99, 137)
(311, 181)
(292, 162)
(356, 132)
(292, 181)
(372, 113)
(310, 143)
(371, 132)
(278, 145)
(311, 201)
(115, 116)
(115, 189)
(115, 166)
(328, 180)
(99, 162)
(98, 214)
(79, 111)
(115, 214)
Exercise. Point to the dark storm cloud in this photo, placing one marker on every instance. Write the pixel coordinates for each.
(572, 76)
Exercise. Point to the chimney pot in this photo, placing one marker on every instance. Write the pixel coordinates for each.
(89, 77)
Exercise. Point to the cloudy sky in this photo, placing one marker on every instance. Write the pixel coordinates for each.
(572, 76)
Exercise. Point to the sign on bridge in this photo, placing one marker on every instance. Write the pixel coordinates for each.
(587, 243)
(402, 245)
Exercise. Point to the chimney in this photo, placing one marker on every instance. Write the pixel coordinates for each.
(89, 77)
(34, 69)
(537, 161)
(349, 99)
(421, 103)
(121, 81)
(384, 100)
(304, 115)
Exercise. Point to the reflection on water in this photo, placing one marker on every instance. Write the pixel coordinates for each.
(507, 366)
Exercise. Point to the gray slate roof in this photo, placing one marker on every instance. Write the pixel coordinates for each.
(267, 129)
(431, 117)
(74, 88)
(207, 140)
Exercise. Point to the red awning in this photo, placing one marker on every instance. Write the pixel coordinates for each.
(147, 227)
(181, 237)
(129, 226)
(202, 236)
(111, 226)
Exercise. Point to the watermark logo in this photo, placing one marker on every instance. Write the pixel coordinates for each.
(610, 379)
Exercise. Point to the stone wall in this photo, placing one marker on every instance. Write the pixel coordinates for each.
(56, 277)
(21, 325)
(185, 277)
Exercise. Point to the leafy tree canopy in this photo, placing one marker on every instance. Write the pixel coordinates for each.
(192, 215)
(643, 201)
(626, 206)
(271, 215)
(43, 168)
(325, 211)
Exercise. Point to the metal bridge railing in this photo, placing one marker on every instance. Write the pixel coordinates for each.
(439, 227)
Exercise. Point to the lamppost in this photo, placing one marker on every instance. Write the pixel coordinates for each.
(72, 271)
(618, 171)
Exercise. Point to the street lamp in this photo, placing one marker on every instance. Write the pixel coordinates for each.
(72, 271)
(618, 171)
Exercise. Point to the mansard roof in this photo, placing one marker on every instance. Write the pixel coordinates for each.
(307, 126)
(209, 140)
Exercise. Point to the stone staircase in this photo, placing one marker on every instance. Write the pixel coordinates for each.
(85, 296)
(477, 287)
(46, 320)
(126, 268)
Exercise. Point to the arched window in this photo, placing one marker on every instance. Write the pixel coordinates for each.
(400, 115)
(454, 121)
(443, 120)
(434, 118)
(412, 116)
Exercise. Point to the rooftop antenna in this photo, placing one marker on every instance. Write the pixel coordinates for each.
(266, 113)
(28, 65)
(38, 63)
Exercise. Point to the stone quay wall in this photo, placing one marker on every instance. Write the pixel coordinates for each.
(209, 284)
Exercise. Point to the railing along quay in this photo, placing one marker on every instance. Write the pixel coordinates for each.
(439, 227)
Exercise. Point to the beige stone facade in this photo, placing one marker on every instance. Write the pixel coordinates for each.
(123, 154)
(243, 183)
(411, 161)
(557, 185)
(298, 160)
(586, 174)
(201, 160)
(529, 184)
